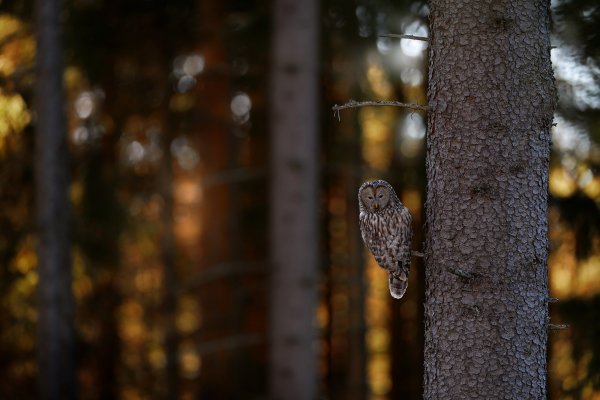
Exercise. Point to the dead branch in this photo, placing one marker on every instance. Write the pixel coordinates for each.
(355, 104)
(399, 36)
(558, 326)
(461, 273)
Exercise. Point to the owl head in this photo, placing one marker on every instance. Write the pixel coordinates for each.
(375, 196)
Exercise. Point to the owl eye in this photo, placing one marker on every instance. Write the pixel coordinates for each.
(370, 197)
(380, 196)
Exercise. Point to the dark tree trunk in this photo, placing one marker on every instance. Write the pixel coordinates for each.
(98, 229)
(57, 378)
(492, 96)
(294, 200)
(168, 249)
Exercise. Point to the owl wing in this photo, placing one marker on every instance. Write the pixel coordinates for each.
(388, 238)
(400, 253)
(402, 234)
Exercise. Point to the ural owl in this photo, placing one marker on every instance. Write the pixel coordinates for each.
(386, 228)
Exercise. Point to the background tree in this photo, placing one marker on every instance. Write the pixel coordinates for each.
(56, 338)
(574, 205)
(491, 93)
(294, 202)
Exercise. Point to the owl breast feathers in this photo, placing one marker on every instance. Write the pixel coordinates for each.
(386, 229)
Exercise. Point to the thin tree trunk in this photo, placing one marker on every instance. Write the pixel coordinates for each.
(294, 200)
(492, 96)
(57, 380)
(98, 231)
(170, 274)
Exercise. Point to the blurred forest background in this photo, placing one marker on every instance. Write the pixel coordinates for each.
(167, 106)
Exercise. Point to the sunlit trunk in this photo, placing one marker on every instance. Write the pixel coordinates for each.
(294, 200)
(57, 379)
(492, 96)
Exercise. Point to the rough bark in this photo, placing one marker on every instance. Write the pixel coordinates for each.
(294, 200)
(57, 378)
(491, 93)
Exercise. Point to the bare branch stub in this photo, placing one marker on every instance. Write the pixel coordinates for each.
(461, 273)
(398, 36)
(558, 326)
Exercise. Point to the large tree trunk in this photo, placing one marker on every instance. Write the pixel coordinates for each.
(55, 301)
(294, 200)
(491, 93)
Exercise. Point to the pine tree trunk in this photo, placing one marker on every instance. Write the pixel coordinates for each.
(491, 93)
(294, 200)
(168, 250)
(57, 380)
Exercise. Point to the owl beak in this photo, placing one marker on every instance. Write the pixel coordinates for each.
(376, 206)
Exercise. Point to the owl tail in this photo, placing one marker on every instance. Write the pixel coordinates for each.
(398, 284)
